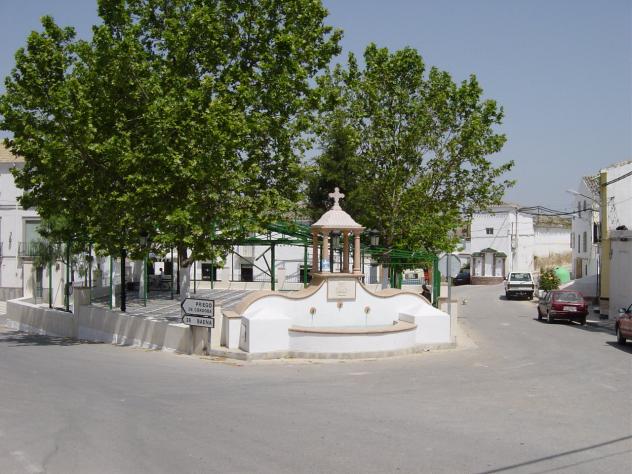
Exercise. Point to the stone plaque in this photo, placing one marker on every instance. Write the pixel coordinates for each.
(341, 289)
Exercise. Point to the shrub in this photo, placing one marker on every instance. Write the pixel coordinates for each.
(549, 280)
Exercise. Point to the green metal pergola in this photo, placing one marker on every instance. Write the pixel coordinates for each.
(293, 233)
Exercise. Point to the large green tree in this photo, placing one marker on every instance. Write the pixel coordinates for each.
(181, 119)
(409, 147)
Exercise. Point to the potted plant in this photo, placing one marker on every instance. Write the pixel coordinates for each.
(548, 281)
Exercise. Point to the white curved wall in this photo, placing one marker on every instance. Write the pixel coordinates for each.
(265, 323)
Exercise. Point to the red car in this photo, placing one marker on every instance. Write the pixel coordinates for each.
(623, 325)
(563, 304)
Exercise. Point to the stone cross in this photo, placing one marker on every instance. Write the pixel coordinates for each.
(336, 196)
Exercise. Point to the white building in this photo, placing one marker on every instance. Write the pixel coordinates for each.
(504, 229)
(615, 184)
(527, 241)
(585, 228)
(18, 233)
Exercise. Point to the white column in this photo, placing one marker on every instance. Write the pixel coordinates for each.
(315, 265)
(325, 246)
(356, 252)
(345, 252)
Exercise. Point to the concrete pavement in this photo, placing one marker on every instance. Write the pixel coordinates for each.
(525, 397)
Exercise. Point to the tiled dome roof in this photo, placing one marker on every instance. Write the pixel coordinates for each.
(336, 218)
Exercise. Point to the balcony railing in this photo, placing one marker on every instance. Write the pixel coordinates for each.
(30, 249)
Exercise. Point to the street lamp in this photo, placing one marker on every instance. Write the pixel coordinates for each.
(335, 245)
(335, 240)
(374, 238)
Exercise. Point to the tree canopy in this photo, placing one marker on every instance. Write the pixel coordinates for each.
(177, 119)
(409, 148)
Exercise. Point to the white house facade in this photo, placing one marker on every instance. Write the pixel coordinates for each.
(615, 184)
(585, 228)
(507, 239)
(15, 224)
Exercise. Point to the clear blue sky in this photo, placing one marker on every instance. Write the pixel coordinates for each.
(562, 69)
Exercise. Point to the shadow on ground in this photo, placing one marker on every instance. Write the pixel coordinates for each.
(17, 339)
(627, 347)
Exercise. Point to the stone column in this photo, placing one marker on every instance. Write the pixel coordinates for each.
(356, 252)
(345, 252)
(326, 246)
(315, 265)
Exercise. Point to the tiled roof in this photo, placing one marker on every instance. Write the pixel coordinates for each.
(336, 219)
(592, 183)
(7, 157)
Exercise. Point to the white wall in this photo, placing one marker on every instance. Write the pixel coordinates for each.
(619, 196)
(502, 219)
(620, 271)
(12, 218)
(582, 225)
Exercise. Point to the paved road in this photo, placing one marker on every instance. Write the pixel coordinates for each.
(529, 398)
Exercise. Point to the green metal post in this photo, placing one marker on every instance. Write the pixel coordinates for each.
(111, 281)
(272, 272)
(305, 266)
(66, 287)
(123, 282)
(362, 257)
(50, 284)
(436, 282)
(212, 277)
(90, 269)
(171, 276)
(320, 260)
(145, 273)
(194, 276)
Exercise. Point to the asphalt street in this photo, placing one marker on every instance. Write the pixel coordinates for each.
(521, 396)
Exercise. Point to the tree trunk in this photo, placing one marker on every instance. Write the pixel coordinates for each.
(184, 274)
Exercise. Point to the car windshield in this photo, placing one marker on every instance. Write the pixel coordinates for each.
(567, 297)
(521, 276)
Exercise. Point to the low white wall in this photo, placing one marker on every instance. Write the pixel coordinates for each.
(35, 319)
(101, 325)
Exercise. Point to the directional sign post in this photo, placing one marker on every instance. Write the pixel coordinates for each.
(198, 321)
(199, 312)
(449, 267)
(199, 307)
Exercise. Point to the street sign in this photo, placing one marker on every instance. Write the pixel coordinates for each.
(198, 307)
(198, 321)
(453, 268)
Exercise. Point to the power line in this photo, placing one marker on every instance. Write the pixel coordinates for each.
(629, 173)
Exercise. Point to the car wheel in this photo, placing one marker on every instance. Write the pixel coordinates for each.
(507, 296)
(620, 338)
(539, 314)
(582, 321)
(549, 319)
(530, 296)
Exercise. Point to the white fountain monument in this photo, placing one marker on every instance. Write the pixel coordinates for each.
(336, 315)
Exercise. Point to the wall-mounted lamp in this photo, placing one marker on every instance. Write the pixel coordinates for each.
(374, 237)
